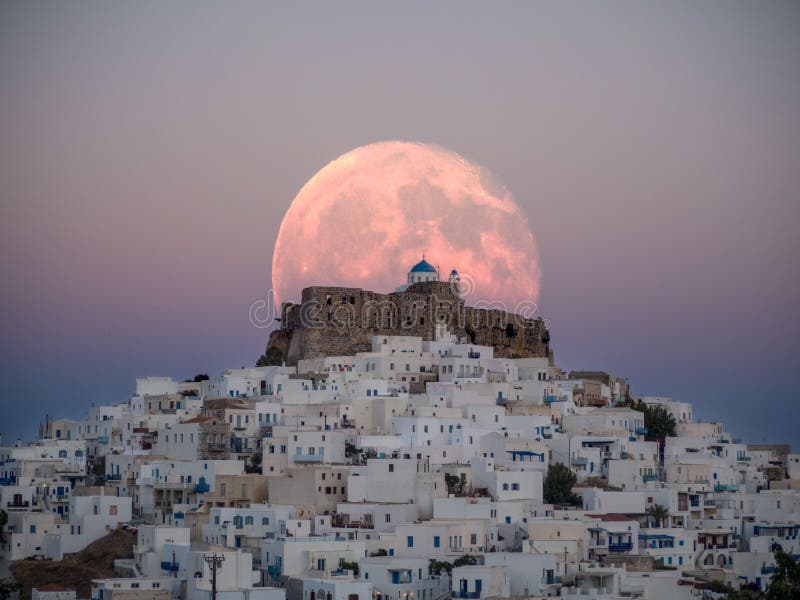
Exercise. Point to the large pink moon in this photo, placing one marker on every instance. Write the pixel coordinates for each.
(367, 217)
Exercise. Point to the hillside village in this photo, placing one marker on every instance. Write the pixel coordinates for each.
(335, 480)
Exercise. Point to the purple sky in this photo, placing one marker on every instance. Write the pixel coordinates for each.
(149, 150)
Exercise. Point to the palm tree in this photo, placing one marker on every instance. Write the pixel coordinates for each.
(658, 513)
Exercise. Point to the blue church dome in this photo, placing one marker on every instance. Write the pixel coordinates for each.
(423, 266)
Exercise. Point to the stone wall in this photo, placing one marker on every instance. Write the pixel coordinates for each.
(337, 321)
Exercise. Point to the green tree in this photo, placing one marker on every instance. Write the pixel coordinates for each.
(349, 566)
(657, 419)
(273, 357)
(454, 484)
(658, 513)
(7, 588)
(558, 485)
(464, 560)
(785, 581)
(351, 450)
(253, 465)
(435, 567)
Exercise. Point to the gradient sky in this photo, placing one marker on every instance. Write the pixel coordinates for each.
(148, 151)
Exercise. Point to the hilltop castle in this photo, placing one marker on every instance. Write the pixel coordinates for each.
(340, 321)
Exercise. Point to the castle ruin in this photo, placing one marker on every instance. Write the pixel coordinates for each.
(340, 321)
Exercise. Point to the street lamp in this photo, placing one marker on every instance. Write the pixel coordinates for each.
(214, 562)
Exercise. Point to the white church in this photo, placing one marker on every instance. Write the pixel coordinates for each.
(425, 271)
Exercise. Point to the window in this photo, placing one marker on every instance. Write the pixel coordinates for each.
(515, 486)
(265, 520)
(436, 541)
(112, 510)
(391, 467)
(505, 487)
(410, 541)
(388, 518)
(473, 538)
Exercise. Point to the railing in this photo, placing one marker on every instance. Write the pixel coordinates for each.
(462, 594)
(550, 399)
(308, 457)
(579, 461)
(641, 431)
(726, 487)
(172, 485)
(620, 547)
(113, 477)
(23, 504)
(650, 477)
(767, 569)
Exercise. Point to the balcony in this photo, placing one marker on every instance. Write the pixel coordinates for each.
(172, 485)
(550, 399)
(463, 594)
(307, 458)
(641, 431)
(650, 477)
(620, 547)
(18, 505)
(169, 566)
(113, 477)
(579, 461)
(766, 569)
(726, 487)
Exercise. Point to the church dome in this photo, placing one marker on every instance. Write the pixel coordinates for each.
(423, 266)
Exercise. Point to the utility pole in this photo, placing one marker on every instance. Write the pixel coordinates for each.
(214, 562)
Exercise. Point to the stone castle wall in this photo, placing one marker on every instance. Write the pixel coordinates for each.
(336, 321)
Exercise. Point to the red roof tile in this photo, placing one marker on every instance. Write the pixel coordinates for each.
(197, 420)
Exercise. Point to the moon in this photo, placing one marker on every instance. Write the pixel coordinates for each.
(366, 218)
